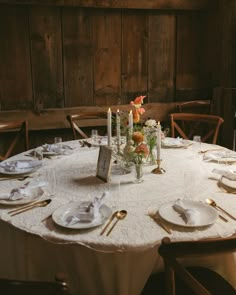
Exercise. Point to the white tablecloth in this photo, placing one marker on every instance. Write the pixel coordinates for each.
(36, 247)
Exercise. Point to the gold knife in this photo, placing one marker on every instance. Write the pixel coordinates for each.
(159, 222)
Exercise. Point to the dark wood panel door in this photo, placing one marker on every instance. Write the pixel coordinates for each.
(134, 55)
(15, 69)
(107, 57)
(77, 42)
(46, 55)
(161, 57)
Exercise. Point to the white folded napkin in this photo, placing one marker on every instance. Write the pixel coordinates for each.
(228, 173)
(189, 215)
(59, 149)
(217, 155)
(87, 211)
(169, 141)
(18, 165)
(27, 190)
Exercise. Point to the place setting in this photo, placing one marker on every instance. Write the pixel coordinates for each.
(169, 142)
(220, 156)
(83, 214)
(10, 169)
(227, 180)
(28, 192)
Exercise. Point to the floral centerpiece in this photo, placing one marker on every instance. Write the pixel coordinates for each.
(135, 152)
(150, 132)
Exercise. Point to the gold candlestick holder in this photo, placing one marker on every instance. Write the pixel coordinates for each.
(158, 170)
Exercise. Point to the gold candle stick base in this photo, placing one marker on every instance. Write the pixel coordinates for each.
(158, 170)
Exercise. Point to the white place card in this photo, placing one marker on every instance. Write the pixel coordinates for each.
(104, 163)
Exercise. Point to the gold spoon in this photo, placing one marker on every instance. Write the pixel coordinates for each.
(119, 216)
(109, 222)
(213, 204)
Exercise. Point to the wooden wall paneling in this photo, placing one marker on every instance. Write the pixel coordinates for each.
(227, 18)
(134, 55)
(229, 95)
(190, 69)
(46, 54)
(15, 72)
(78, 56)
(161, 57)
(211, 59)
(107, 57)
(141, 4)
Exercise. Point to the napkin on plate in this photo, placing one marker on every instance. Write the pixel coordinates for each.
(190, 215)
(87, 211)
(228, 173)
(169, 141)
(27, 190)
(217, 155)
(18, 165)
(59, 149)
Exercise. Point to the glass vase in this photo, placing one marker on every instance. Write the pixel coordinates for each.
(138, 173)
(151, 158)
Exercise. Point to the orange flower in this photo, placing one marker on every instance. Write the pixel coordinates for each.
(137, 137)
(138, 110)
(138, 101)
(142, 149)
(136, 116)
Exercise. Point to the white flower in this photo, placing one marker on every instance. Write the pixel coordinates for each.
(151, 123)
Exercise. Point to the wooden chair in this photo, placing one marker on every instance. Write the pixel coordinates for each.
(194, 106)
(88, 119)
(17, 131)
(208, 129)
(20, 287)
(179, 279)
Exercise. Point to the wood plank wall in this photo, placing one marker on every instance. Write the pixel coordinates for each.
(57, 57)
(69, 54)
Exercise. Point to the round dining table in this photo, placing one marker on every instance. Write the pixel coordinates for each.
(35, 246)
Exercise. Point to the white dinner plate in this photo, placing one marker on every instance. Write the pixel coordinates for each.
(170, 142)
(31, 166)
(56, 149)
(220, 156)
(207, 214)
(228, 182)
(34, 194)
(63, 213)
(101, 140)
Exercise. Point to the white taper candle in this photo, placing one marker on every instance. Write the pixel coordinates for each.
(109, 134)
(158, 141)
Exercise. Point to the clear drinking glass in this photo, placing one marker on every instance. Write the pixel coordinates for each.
(57, 140)
(197, 143)
(94, 136)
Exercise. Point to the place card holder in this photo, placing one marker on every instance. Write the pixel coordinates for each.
(104, 163)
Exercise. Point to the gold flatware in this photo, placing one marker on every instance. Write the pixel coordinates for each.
(20, 207)
(158, 220)
(120, 215)
(2, 178)
(210, 150)
(223, 218)
(109, 222)
(32, 206)
(213, 204)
